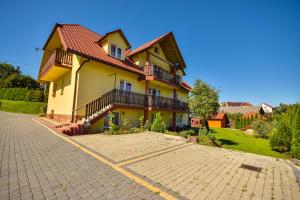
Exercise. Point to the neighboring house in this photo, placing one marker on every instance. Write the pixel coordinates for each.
(233, 104)
(267, 108)
(242, 109)
(220, 120)
(92, 74)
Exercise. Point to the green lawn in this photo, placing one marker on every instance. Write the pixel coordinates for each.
(237, 140)
(21, 106)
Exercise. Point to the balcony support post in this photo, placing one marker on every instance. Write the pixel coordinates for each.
(148, 60)
(146, 107)
(174, 122)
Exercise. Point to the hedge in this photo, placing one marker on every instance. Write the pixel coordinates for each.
(22, 94)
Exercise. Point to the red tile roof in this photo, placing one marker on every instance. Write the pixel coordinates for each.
(82, 41)
(148, 44)
(186, 86)
(219, 116)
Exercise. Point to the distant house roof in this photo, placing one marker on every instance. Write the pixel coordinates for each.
(233, 104)
(267, 105)
(219, 116)
(241, 109)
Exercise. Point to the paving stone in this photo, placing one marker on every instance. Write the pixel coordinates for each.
(36, 164)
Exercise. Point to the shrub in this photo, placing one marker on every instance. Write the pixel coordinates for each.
(262, 128)
(141, 121)
(159, 125)
(204, 131)
(126, 124)
(209, 140)
(134, 130)
(186, 133)
(147, 125)
(281, 137)
(22, 94)
(113, 128)
(295, 148)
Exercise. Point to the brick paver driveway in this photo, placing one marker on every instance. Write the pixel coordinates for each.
(36, 164)
(195, 171)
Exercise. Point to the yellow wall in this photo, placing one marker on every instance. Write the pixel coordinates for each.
(164, 92)
(61, 103)
(131, 115)
(182, 95)
(214, 123)
(95, 80)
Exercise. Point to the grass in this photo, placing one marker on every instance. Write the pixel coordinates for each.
(238, 140)
(21, 106)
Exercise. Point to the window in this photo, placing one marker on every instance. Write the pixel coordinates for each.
(179, 120)
(113, 51)
(116, 52)
(156, 50)
(154, 92)
(157, 92)
(116, 120)
(125, 86)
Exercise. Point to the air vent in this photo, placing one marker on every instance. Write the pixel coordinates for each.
(251, 168)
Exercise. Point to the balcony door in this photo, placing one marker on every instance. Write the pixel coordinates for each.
(125, 86)
(125, 92)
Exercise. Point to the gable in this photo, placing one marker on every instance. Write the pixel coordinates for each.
(117, 38)
(169, 46)
(54, 42)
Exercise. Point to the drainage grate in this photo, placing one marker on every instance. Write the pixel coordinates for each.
(251, 168)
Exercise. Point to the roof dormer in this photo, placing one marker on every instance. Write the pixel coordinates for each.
(114, 44)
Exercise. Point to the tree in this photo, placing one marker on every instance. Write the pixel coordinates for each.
(262, 128)
(159, 124)
(281, 137)
(204, 101)
(12, 77)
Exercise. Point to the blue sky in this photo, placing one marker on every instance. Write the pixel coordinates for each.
(248, 49)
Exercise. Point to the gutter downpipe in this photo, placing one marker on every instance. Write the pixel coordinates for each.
(75, 88)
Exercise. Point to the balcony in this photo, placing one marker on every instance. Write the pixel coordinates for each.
(58, 63)
(120, 98)
(158, 102)
(162, 75)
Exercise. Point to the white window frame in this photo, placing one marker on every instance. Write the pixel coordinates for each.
(116, 52)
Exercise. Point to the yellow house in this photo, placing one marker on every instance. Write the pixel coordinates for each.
(91, 75)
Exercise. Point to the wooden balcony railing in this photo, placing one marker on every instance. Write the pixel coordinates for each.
(58, 56)
(117, 96)
(153, 70)
(166, 103)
